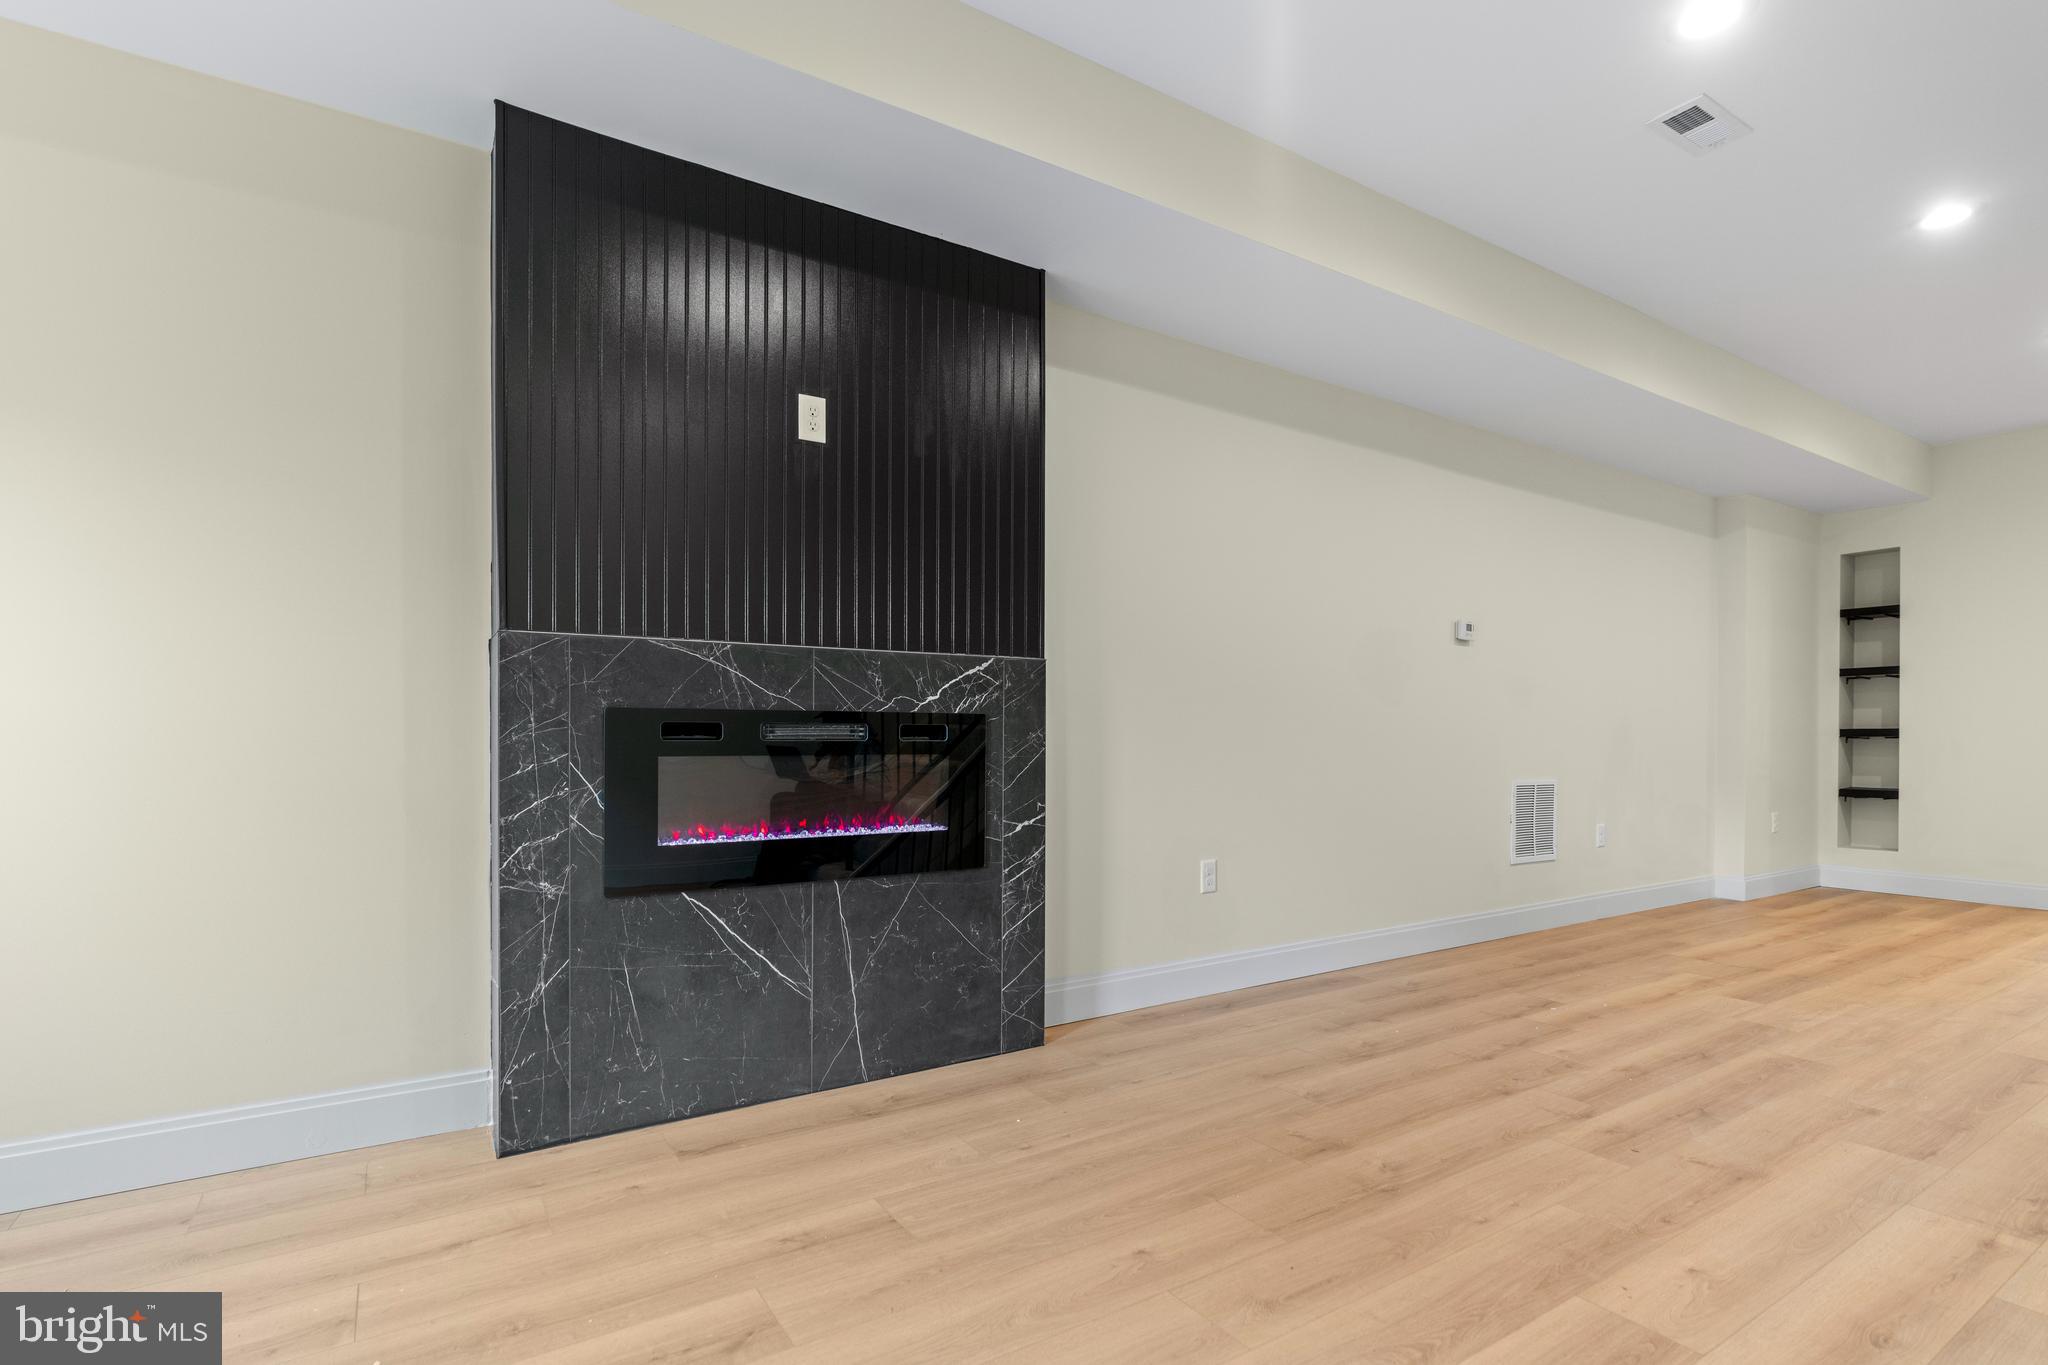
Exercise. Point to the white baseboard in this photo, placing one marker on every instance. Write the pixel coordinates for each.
(67, 1166)
(1766, 884)
(1087, 997)
(1969, 889)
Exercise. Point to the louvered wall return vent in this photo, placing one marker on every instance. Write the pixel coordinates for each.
(1700, 126)
(1535, 824)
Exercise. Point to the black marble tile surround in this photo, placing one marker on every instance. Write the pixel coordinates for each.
(617, 1011)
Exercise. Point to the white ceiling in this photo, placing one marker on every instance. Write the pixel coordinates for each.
(435, 66)
(1523, 122)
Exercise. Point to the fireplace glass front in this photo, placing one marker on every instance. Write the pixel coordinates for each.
(719, 798)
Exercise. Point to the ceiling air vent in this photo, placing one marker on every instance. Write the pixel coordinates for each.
(1535, 828)
(1700, 126)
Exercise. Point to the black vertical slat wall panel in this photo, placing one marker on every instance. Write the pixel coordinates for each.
(656, 321)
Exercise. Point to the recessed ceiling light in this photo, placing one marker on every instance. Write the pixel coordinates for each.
(1946, 214)
(1704, 18)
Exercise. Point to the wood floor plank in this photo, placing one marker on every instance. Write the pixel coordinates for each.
(1861, 1035)
(230, 1203)
(735, 1328)
(1132, 1113)
(185, 1192)
(506, 1234)
(1256, 1058)
(1061, 1187)
(1716, 1275)
(1667, 1118)
(1601, 1034)
(2001, 1334)
(2028, 1286)
(2004, 1183)
(22, 1247)
(1373, 1241)
(197, 1260)
(1943, 1110)
(1464, 1302)
(475, 1300)
(1296, 1282)
(1896, 1296)
(1160, 1330)
(1430, 1153)
(1419, 1020)
(934, 1104)
(968, 1308)
(717, 1199)
(1661, 1062)
(1578, 1333)
(1662, 1196)
(1777, 1131)
(429, 1157)
(1354, 1111)
(2029, 1042)
(1797, 1129)
(288, 1329)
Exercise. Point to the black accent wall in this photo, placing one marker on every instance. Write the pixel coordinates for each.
(655, 322)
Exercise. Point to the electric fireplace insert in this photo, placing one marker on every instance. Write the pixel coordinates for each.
(696, 799)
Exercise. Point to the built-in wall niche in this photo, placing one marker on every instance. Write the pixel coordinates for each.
(1869, 721)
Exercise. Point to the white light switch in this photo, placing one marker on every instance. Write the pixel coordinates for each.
(810, 418)
(1208, 876)
(1600, 835)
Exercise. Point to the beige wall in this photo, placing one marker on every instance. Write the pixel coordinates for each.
(1251, 585)
(1767, 723)
(1973, 560)
(1785, 721)
(244, 422)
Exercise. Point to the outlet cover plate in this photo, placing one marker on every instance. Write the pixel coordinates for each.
(810, 418)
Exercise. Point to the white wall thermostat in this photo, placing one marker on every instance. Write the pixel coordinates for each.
(1461, 631)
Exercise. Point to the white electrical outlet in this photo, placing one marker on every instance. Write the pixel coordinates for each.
(1600, 835)
(1774, 822)
(810, 418)
(1208, 876)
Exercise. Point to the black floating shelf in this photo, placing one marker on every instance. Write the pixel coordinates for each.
(1885, 671)
(1870, 732)
(1870, 793)
(1869, 613)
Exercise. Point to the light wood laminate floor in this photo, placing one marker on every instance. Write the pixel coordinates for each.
(1811, 1129)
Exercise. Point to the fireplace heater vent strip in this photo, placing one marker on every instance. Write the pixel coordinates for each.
(811, 734)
